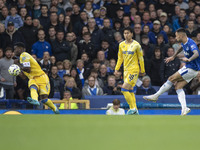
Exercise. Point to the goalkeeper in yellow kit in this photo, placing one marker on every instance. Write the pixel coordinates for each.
(131, 55)
(38, 81)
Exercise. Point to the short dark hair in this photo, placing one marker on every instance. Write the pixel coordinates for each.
(8, 48)
(128, 29)
(116, 102)
(44, 5)
(181, 30)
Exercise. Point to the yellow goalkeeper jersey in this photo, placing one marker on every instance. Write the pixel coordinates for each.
(131, 55)
(26, 60)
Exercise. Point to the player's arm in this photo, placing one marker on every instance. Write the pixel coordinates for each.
(26, 69)
(174, 56)
(141, 60)
(119, 60)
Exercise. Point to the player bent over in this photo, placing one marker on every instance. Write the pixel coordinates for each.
(38, 81)
(131, 55)
(184, 75)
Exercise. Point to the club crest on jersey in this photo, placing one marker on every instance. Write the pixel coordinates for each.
(187, 48)
(193, 46)
(23, 58)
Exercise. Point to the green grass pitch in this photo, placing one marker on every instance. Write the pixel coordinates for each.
(99, 132)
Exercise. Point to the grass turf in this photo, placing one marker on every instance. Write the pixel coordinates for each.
(99, 132)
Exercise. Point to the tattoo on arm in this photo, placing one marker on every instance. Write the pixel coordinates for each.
(194, 56)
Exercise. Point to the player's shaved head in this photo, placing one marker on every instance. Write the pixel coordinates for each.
(181, 30)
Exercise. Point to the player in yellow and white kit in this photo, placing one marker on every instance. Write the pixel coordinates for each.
(131, 55)
(38, 80)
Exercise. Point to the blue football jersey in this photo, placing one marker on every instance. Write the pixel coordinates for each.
(188, 49)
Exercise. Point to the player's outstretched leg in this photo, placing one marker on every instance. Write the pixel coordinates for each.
(165, 87)
(130, 101)
(34, 96)
(49, 103)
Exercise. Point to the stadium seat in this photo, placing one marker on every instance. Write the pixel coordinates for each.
(56, 95)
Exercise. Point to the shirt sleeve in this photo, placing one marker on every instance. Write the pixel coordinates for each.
(193, 47)
(120, 59)
(141, 59)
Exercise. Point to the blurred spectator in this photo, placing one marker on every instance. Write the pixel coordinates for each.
(171, 8)
(75, 17)
(45, 62)
(167, 69)
(110, 88)
(154, 67)
(103, 74)
(74, 49)
(6, 80)
(52, 35)
(88, 9)
(197, 10)
(162, 4)
(41, 46)
(29, 33)
(137, 32)
(36, 23)
(14, 17)
(115, 110)
(117, 26)
(51, 94)
(53, 22)
(91, 89)
(164, 20)
(119, 77)
(68, 11)
(111, 67)
(109, 52)
(102, 16)
(133, 11)
(182, 4)
(67, 97)
(155, 31)
(153, 16)
(167, 29)
(180, 21)
(55, 3)
(145, 29)
(44, 17)
(120, 14)
(107, 31)
(98, 81)
(102, 58)
(137, 19)
(61, 48)
(36, 9)
(152, 7)
(53, 60)
(57, 81)
(86, 60)
(23, 13)
(67, 65)
(191, 32)
(69, 3)
(147, 48)
(96, 64)
(112, 9)
(141, 8)
(177, 13)
(71, 86)
(67, 24)
(61, 19)
(4, 14)
(61, 70)
(146, 20)
(198, 38)
(86, 46)
(162, 45)
(82, 22)
(22, 4)
(75, 75)
(96, 36)
(146, 88)
(11, 36)
(126, 21)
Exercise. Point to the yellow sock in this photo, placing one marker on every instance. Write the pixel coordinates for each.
(133, 99)
(34, 93)
(49, 103)
(128, 97)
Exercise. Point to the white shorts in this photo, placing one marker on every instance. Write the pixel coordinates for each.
(187, 73)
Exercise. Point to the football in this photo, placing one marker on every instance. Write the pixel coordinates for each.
(14, 70)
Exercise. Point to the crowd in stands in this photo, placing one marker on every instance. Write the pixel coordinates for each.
(76, 42)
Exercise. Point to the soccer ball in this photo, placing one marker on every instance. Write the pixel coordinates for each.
(14, 70)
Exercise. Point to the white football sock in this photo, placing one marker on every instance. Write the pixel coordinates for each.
(165, 87)
(181, 97)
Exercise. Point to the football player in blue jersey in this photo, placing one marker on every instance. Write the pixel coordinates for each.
(184, 75)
